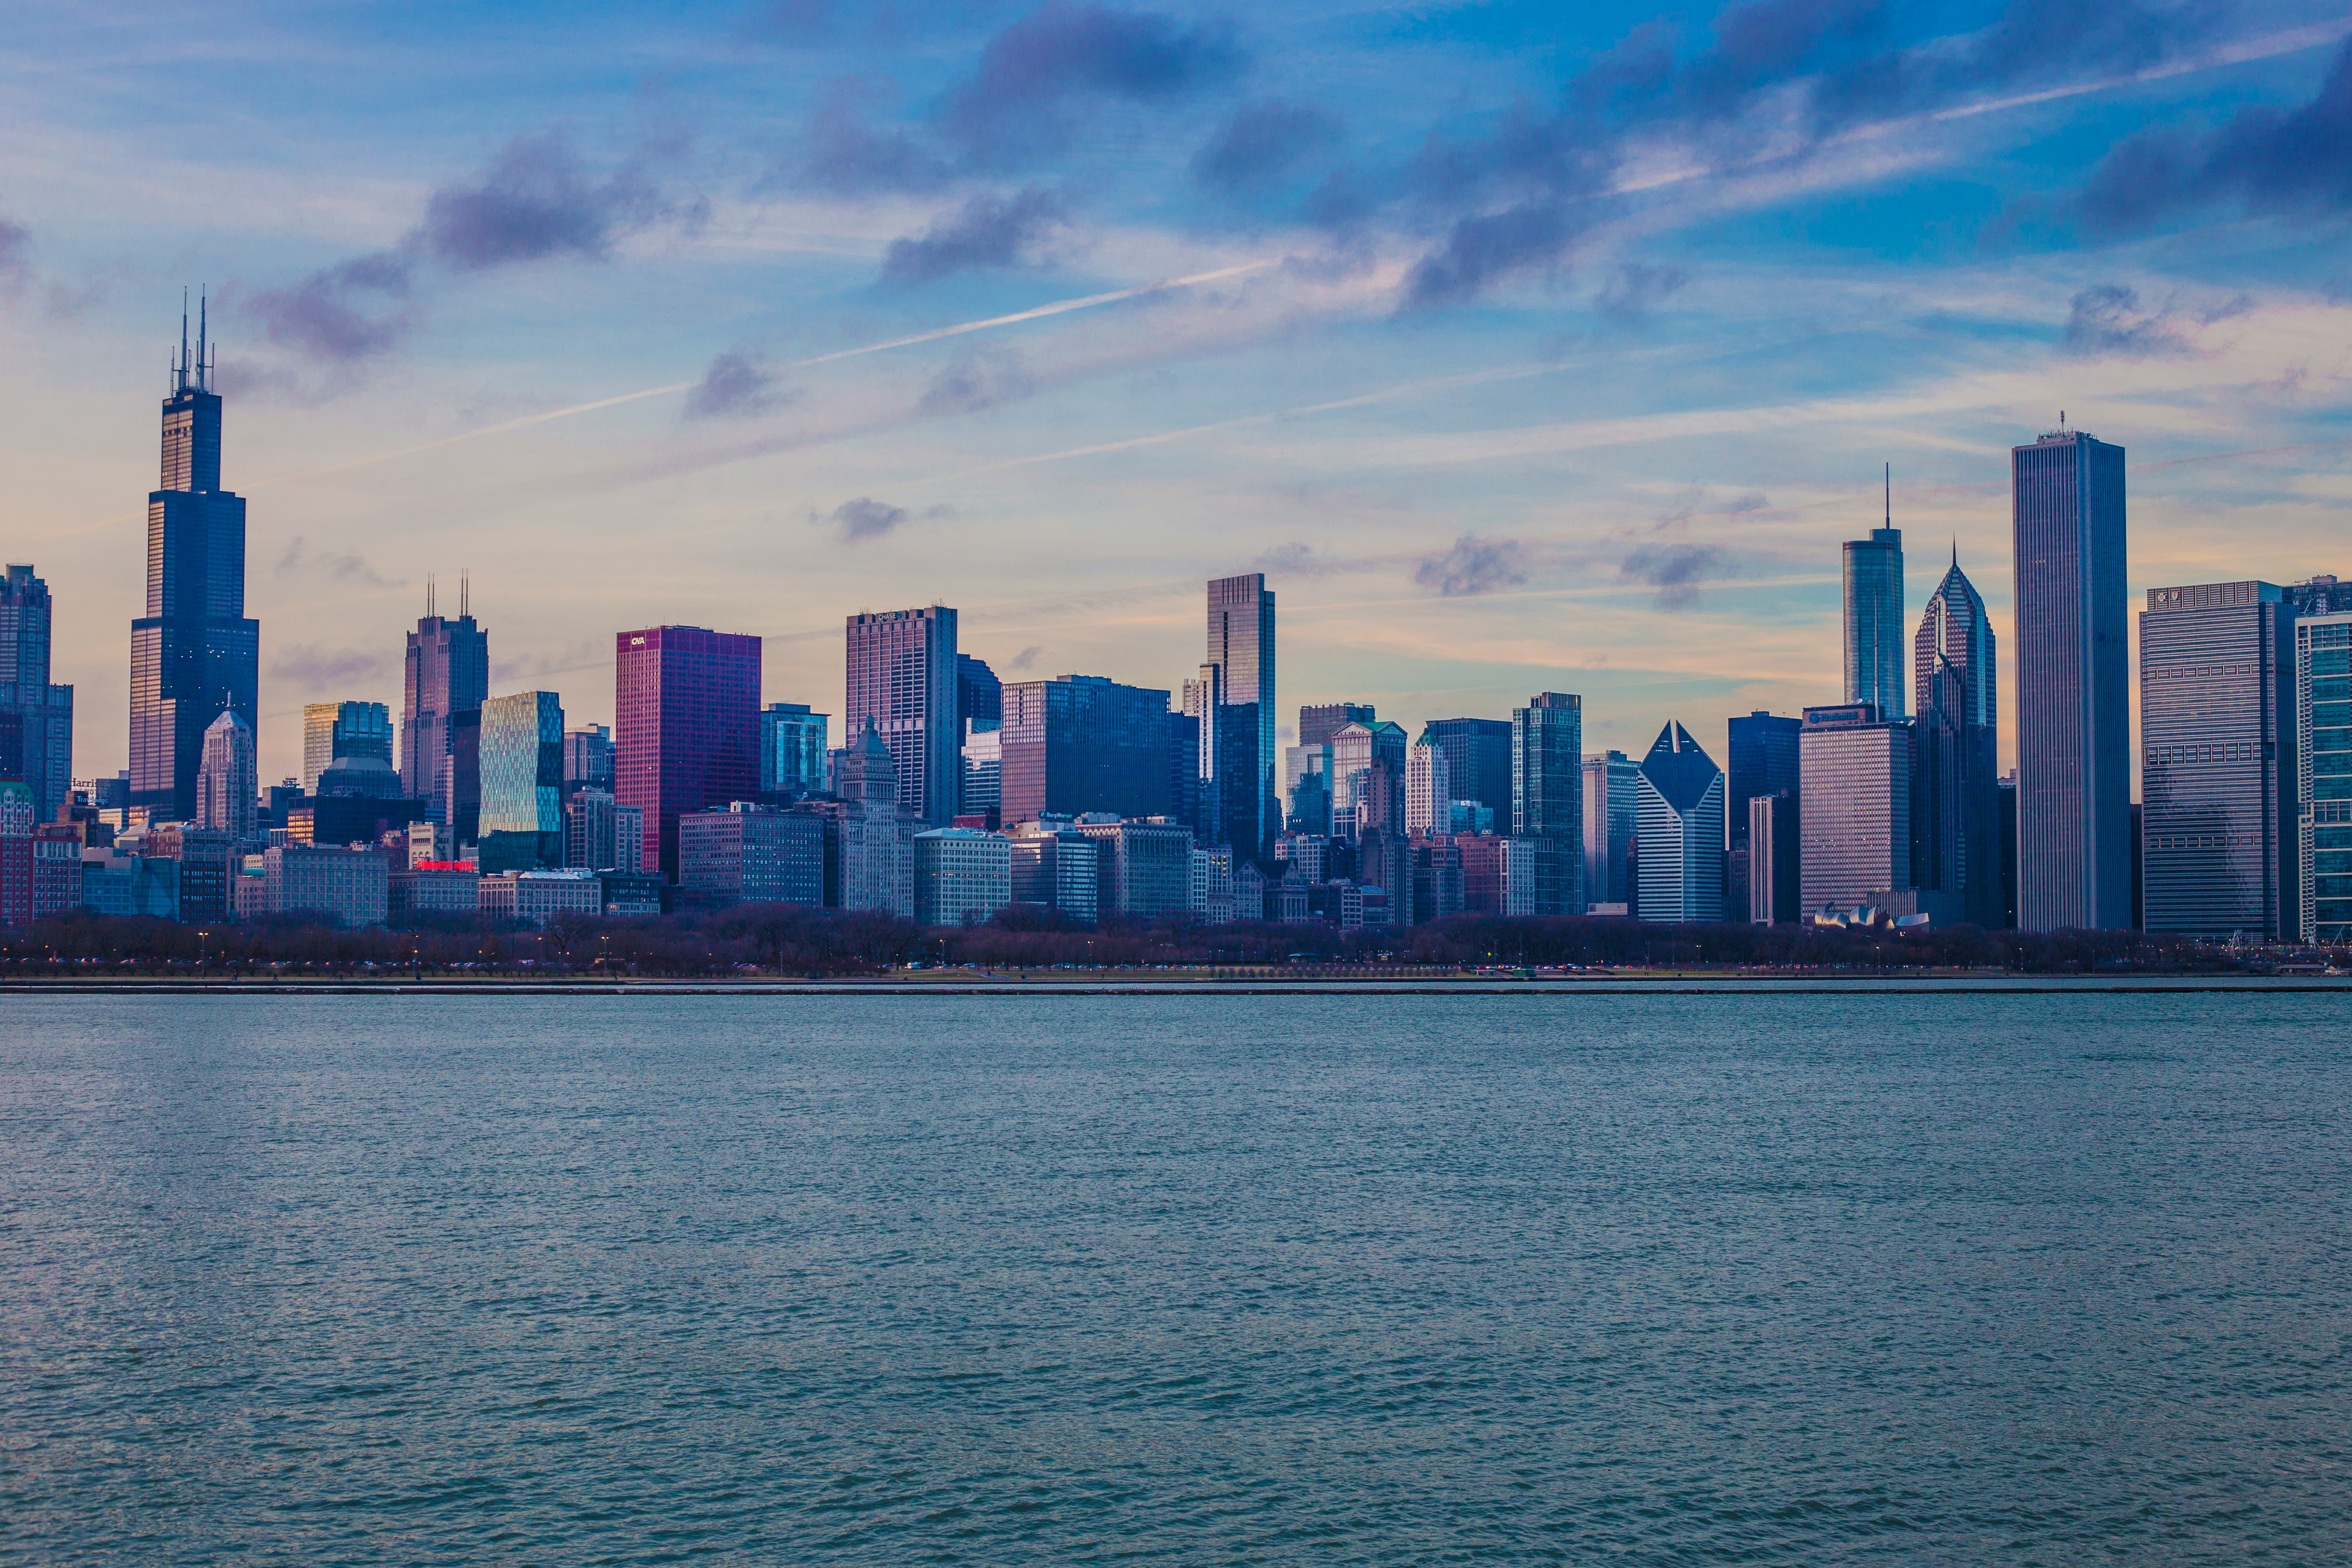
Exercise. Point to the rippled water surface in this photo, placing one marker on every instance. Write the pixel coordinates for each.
(1956, 1278)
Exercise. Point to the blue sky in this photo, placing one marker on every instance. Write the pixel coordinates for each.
(1524, 351)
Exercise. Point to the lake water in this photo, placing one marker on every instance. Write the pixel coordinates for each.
(1649, 1279)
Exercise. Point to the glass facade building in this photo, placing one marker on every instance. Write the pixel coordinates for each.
(447, 677)
(2073, 675)
(793, 744)
(1680, 813)
(1082, 743)
(904, 675)
(2323, 733)
(686, 728)
(1855, 805)
(193, 653)
(2218, 777)
(332, 729)
(1761, 760)
(1237, 758)
(1548, 796)
(522, 763)
(1873, 619)
(36, 718)
(588, 758)
(1612, 804)
(1477, 760)
(1955, 815)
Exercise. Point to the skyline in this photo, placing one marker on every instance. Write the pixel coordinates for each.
(1460, 502)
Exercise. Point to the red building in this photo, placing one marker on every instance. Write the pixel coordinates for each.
(686, 730)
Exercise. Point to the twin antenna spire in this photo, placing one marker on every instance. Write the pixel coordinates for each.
(465, 594)
(193, 375)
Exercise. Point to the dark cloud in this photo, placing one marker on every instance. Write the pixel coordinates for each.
(1262, 143)
(313, 666)
(841, 153)
(866, 518)
(300, 559)
(977, 379)
(1486, 249)
(1034, 70)
(735, 384)
(1474, 566)
(1635, 290)
(1026, 658)
(341, 314)
(2107, 320)
(988, 231)
(2291, 163)
(15, 252)
(1675, 571)
(534, 201)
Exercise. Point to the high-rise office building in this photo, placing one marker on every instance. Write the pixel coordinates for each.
(1477, 760)
(1238, 757)
(447, 676)
(332, 729)
(1775, 892)
(1855, 805)
(793, 744)
(1307, 789)
(979, 695)
(745, 853)
(1873, 617)
(876, 843)
(2073, 678)
(522, 769)
(1355, 748)
(1318, 723)
(1082, 743)
(228, 778)
(588, 758)
(686, 728)
(1612, 813)
(194, 655)
(1760, 761)
(2323, 751)
(1955, 809)
(36, 718)
(1680, 814)
(1428, 788)
(2217, 769)
(903, 674)
(1548, 796)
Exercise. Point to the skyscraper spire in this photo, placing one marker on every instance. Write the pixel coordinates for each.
(1890, 495)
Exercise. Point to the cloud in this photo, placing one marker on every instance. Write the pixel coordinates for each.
(1474, 566)
(2272, 162)
(1263, 143)
(1635, 289)
(342, 314)
(300, 559)
(1026, 658)
(1013, 105)
(841, 154)
(989, 230)
(865, 518)
(735, 384)
(1675, 571)
(313, 666)
(2107, 320)
(977, 379)
(1293, 559)
(1484, 250)
(16, 253)
(535, 201)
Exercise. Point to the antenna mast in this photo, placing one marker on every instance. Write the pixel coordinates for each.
(464, 593)
(1890, 495)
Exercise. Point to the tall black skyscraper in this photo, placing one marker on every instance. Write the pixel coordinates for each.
(1955, 806)
(1237, 755)
(448, 678)
(2073, 682)
(1763, 758)
(194, 656)
(36, 718)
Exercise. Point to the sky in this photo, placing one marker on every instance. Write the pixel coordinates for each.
(1523, 347)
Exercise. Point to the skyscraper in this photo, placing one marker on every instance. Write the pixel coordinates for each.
(1874, 615)
(36, 718)
(1548, 796)
(1241, 751)
(194, 655)
(2073, 718)
(1762, 759)
(332, 729)
(1428, 788)
(228, 777)
(2323, 749)
(903, 675)
(1855, 805)
(792, 743)
(522, 767)
(1681, 816)
(1319, 722)
(1082, 743)
(1954, 807)
(1356, 748)
(1477, 760)
(2218, 761)
(1611, 810)
(447, 675)
(588, 759)
(686, 728)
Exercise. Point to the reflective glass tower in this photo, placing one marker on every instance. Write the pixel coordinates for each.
(1955, 820)
(904, 675)
(36, 718)
(686, 728)
(1080, 743)
(522, 763)
(2073, 674)
(2323, 710)
(447, 677)
(1237, 756)
(1548, 796)
(1680, 791)
(194, 655)
(1874, 615)
(1763, 761)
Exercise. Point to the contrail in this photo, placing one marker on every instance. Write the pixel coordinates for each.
(1059, 306)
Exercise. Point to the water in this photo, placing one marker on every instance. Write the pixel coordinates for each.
(1332, 1280)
